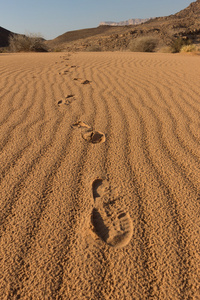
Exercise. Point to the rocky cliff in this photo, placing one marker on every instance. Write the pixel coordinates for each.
(125, 23)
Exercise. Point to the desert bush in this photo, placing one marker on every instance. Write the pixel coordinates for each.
(178, 44)
(38, 44)
(3, 50)
(164, 49)
(24, 43)
(188, 48)
(143, 44)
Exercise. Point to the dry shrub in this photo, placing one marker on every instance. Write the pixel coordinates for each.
(143, 44)
(27, 43)
(178, 43)
(188, 48)
(3, 50)
(165, 49)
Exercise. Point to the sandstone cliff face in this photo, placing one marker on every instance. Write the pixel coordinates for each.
(126, 23)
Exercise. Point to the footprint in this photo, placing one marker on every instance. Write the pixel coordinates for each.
(64, 72)
(88, 134)
(82, 81)
(94, 137)
(80, 124)
(110, 222)
(68, 100)
(85, 81)
(99, 188)
(60, 102)
(69, 96)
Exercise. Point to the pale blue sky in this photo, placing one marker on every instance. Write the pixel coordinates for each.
(55, 17)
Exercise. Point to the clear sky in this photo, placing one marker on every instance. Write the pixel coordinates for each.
(51, 18)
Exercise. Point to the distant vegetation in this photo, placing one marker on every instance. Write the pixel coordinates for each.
(177, 45)
(189, 48)
(3, 50)
(35, 43)
(143, 44)
(27, 43)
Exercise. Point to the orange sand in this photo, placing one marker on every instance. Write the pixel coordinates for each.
(100, 180)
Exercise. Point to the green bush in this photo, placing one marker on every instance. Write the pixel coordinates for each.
(143, 44)
(24, 43)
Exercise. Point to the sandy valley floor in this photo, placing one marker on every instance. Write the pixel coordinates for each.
(99, 176)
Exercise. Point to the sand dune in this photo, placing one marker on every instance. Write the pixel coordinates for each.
(100, 185)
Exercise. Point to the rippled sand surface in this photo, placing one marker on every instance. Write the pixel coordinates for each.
(99, 176)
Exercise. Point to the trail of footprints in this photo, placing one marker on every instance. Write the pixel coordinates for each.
(70, 98)
(109, 221)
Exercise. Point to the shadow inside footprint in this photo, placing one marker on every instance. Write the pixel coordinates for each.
(96, 188)
(110, 222)
(100, 228)
(69, 96)
(85, 81)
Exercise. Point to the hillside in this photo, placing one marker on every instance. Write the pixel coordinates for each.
(185, 24)
(80, 34)
(4, 36)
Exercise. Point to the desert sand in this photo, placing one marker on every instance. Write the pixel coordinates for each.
(100, 181)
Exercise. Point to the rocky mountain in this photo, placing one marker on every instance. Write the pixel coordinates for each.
(4, 37)
(192, 11)
(125, 23)
(184, 24)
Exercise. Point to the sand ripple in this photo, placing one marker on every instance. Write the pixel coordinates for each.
(147, 109)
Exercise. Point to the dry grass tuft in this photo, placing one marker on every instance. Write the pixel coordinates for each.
(178, 43)
(189, 48)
